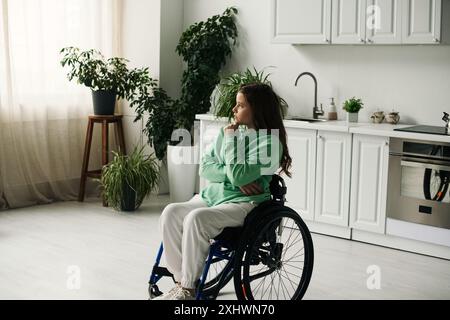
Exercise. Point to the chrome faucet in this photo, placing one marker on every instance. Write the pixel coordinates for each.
(316, 111)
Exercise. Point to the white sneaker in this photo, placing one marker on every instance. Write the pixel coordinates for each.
(182, 294)
(168, 295)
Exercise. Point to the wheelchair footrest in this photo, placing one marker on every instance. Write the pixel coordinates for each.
(162, 271)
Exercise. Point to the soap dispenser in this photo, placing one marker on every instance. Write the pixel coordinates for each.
(332, 113)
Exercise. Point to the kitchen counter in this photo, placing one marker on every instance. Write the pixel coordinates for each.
(377, 129)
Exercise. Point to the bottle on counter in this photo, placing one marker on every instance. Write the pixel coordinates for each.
(332, 112)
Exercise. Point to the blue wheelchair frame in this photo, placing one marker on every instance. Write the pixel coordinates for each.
(214, 251)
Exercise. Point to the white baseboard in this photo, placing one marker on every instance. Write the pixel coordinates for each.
(385, 240)
(419, 232)
(402, 244)
(328, 229)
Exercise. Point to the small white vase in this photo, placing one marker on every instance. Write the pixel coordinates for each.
(352, 116)
(182, 167)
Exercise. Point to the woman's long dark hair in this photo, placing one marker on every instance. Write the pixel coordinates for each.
(266, 110)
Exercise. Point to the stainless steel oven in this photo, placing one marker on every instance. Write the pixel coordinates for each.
(419, 182)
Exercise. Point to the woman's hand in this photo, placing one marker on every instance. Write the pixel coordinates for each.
(251, 189)
(230, 128)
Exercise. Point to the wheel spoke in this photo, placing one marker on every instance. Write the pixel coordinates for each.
(292, 274)
(293, 266)
(279, 282)
(263, 267)
(288, 247)
(290, 234)
(271, 286)
(287, 278)
(280, 249)
(259, 286)
(264, 292)
(294, 255)
(283, 286)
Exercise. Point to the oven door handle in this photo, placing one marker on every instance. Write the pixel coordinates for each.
(416, 164)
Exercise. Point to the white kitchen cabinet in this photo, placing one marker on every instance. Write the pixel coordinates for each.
(300, 188)
(301, 21)
(366, 22)
(422, 21)
(348, 22)
(384, 22)
(355, 22)
(333, 177)
(370, 158)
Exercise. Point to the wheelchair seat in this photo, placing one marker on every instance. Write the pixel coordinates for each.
(230, 236)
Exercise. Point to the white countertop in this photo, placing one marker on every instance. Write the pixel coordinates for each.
(377, 129)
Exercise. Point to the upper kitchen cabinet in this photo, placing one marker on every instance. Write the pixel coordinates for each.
(348, 22)
(361, 22)
(383, 22)
(422, 21)
(301, 21)
(366, 22)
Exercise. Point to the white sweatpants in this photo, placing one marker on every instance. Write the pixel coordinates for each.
(186, 230)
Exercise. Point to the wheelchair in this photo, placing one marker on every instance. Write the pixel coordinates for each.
(270, 257)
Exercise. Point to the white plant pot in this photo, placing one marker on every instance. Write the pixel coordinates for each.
(182, 167)
(352, 116)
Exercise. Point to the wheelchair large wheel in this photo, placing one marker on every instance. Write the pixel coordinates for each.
(219, 274)
(275, 260)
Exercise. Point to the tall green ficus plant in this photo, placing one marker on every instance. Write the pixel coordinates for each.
(204, 47)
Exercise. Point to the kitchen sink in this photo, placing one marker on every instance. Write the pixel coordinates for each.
(307, 119)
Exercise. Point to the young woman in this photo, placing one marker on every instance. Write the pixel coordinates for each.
(237, 185)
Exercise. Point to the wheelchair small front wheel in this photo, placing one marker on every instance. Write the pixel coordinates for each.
(153, 291)
(275, 262)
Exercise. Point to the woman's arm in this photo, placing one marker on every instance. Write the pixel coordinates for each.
(241, 172)
(210, 168)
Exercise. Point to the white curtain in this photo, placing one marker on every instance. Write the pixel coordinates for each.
(43, 116)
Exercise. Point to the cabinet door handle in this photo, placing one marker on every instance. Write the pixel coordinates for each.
(320, 137)
(435, 39)
(326, 40)
(369, 40)
(361, 40)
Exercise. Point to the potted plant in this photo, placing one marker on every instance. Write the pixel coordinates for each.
(107, 78)
(352, 106)
(227, 89)
(128, 179)
(204, 47)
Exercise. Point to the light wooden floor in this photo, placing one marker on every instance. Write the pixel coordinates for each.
(114, 252)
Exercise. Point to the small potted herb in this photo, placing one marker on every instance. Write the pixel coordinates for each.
(352, 106)
(128, 179)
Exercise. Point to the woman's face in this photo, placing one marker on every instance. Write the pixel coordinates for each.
(242, 111)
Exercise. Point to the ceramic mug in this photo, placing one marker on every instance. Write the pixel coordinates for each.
(377, 117)
(393, 117)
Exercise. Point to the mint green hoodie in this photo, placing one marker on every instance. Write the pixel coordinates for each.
(227, 167)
